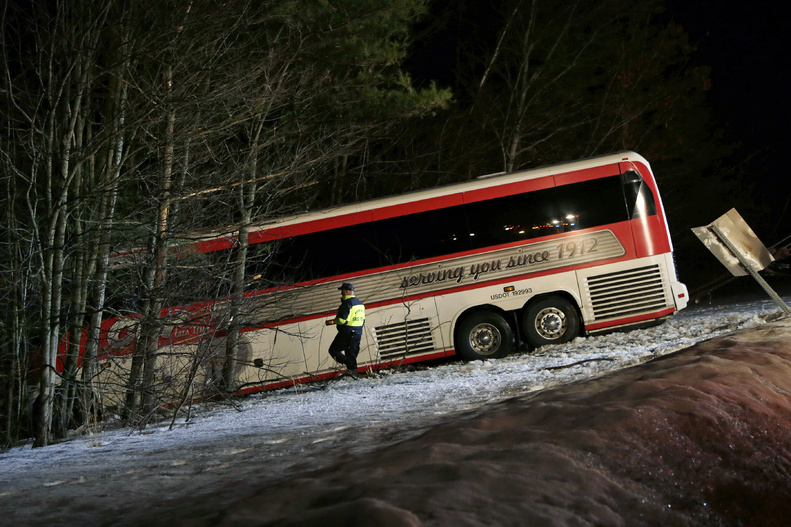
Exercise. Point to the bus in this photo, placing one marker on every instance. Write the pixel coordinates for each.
(471, 270)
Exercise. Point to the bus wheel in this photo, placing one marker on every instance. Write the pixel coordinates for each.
(552, 320)
(484, 335)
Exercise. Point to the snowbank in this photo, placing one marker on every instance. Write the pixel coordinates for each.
(684, 438)
(702, 437)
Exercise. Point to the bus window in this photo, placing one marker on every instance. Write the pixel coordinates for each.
(261, 268)
(328, 253)
(591, 203)
(513, 218)
(423, 235)
(547, 212)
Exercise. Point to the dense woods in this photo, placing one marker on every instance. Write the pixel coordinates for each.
(137, 125)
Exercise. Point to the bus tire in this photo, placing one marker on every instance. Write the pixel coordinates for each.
(484, 335)
(551, 320)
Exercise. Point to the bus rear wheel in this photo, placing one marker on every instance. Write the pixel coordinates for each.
(484, 335)
(552, 320)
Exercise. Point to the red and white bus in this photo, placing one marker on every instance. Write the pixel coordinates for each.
(473, 269)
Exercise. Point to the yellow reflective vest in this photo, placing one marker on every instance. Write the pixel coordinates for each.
(351, 314)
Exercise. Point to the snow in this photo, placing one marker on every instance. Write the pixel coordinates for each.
(225, 450)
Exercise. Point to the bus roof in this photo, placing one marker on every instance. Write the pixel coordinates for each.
(480, 182)
(220, 239)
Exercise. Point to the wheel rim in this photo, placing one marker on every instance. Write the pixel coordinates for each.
(550, 323)
(485, 339)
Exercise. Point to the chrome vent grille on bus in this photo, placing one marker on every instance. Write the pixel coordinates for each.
(405, 338)
(625, 293)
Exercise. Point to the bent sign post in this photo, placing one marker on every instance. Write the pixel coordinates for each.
(736, 246)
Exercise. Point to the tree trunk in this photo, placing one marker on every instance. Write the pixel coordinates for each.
(152, 323)
(247, 192)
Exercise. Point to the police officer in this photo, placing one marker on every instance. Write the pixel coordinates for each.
(349, 321)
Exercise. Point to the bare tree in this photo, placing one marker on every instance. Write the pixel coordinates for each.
(175, 118)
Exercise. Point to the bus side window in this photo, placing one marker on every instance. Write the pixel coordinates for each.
(261, 268)
(546, 212)
(313, 256)
(422, 235)
(332, 252)
(513, 218)
(640, 201)
(591, 203)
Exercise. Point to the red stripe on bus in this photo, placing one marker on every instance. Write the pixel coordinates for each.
(630, 320)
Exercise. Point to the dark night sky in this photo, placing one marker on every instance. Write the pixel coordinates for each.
(748, 45)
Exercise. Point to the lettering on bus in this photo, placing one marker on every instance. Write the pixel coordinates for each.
(520, 260)
(577, 248)
(476, 270)
(517, 292)
(443, 275)
(122, 332)
(559, 255)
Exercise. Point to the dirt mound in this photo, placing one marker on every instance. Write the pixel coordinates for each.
(701, 437)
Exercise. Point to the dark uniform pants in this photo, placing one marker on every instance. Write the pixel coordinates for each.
(345, 347)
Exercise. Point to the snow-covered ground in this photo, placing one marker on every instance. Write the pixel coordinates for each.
(271, 436)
